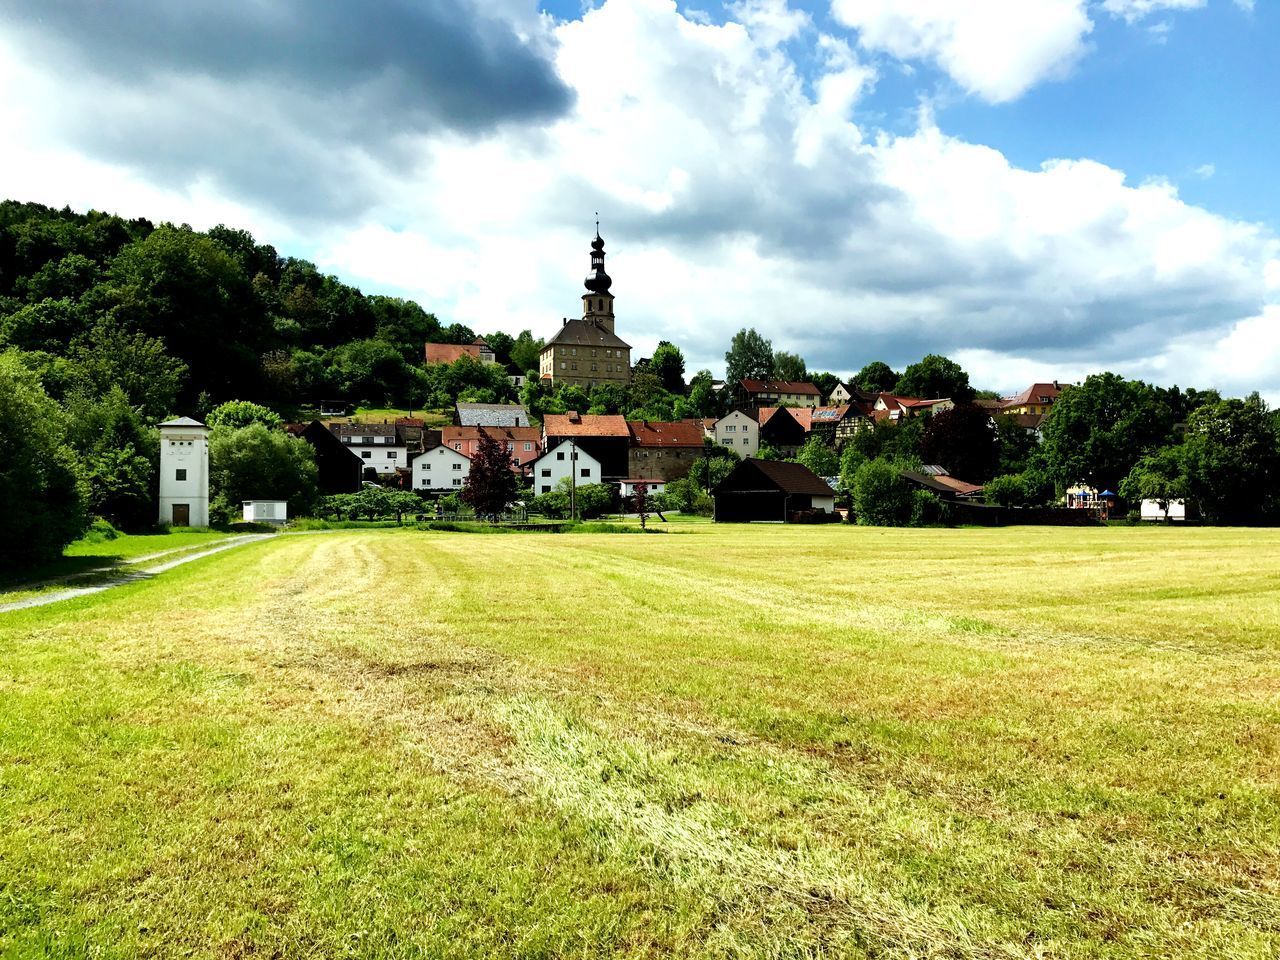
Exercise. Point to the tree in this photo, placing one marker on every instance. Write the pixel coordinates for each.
(525, 352)
(1233, 461)
(42, 495)
(790, 367)
(881, 497)
(819, 457)
(963, 440)
(119, 454)
(877, 377)
(490, 484)
(667, 364)
(934, 378)
(1161, 477)
(825, 382)
(702, 395)
(110, 354)
(255, 463)
(240, 413)
(641, 503)
(1097, 430)
(1015, 444)
(1018, 490)
(750, 357)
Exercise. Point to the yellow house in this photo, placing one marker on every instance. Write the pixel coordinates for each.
(1035, 400)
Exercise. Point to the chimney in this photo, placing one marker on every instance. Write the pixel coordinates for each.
(1055, 385)
(573, 416)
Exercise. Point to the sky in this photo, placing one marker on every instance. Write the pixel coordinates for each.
(1040, 189)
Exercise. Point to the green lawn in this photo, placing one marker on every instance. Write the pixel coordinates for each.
(144, 544)
(735, 742)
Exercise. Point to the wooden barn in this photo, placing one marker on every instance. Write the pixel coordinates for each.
(770, 490)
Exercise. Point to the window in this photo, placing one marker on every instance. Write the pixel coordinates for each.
(546, 488)
(593, 353)
(730, 429)
(573, 351)
(560, 455)
(426, 465)
(510, 446)
(563, 365)
(585, 472)
(457, 481)
(546, 471)
(458, 445)
(366, 454)
(528, 445)
(593, 368)
(391, 454)
(457, 466)
(575, 365)
(181, 475)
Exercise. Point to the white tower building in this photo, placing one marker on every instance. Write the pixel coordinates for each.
(184, 473)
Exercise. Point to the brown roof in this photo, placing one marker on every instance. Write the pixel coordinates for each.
(801, 415)
(585, 333)
(1033, 394)
(1028, 421)
(942, 484)
(585, 425)
(410, 422)
(779, 386)
(449, 352)
(909, 402)
(450, 434)
(794, 478)
(647, 433)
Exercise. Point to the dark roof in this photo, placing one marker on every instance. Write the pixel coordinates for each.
(586, 333)
(779, 386)
(363, 429)
(789, 478)
(946, 485)
(492, 415)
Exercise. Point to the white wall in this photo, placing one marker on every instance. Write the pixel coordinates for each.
(556, 464)
(384, 458)
(738, 432)
(184, 472)
(440, 468)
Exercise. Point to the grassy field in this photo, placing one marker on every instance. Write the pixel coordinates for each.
(723, 742)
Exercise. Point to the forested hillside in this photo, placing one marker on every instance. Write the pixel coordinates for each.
(181, 319)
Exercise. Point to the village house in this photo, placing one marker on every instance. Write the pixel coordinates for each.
(738, 431)
(835, 424)
(1033, 401)
(775, 393)
(490, 415)
(843, 393)
(587, 352)
(439, 470)
(339, 469)
(523, 444)
(664, 450)
(564, 461)
(378, 445)
(478, 349)
(605, 436)
(772, 490)
(627, 488)
(784, 428)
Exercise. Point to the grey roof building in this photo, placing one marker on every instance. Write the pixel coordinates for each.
(490, 415)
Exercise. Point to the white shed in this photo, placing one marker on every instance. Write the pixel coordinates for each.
(266, 511)
(1176, 510)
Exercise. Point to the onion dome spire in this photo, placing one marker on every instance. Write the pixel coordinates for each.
(598, 281)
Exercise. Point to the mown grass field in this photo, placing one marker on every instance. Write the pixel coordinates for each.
(719, 742)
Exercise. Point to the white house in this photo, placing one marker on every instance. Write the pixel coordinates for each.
(738, 431)
(566, 459)
(1176, 511)
(266, 511)
(379, 445)
(440, 468)
(628, 487)
(184, 473)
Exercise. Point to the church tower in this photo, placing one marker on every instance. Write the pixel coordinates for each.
(597, 302)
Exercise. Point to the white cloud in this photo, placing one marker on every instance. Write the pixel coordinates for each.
(1131, 11)
(734, 192)
(997, 49)
(1205, 171)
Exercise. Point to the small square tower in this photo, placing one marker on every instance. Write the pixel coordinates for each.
(184, 473)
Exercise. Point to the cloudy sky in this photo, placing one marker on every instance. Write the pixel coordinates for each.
(1038, 188)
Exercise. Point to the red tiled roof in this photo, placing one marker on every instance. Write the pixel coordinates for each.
(648, 433)
(450, 434)
(779, 386)
(801, 415)
(585, 425)
(1033, 394)
(449, 352)
(410, 422)
(909, 402)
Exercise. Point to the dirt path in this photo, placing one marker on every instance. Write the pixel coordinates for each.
(116, 577)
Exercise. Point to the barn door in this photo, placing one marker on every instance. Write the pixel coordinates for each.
(182, 514)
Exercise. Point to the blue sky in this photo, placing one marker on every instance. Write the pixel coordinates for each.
(1041, 189)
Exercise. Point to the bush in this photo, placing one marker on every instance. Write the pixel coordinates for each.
(254, 463)
(880, 496)
(593, 500)
(928, 509)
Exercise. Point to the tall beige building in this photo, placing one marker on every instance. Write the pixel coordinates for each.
(587, 352)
